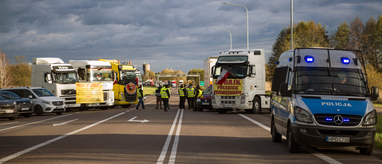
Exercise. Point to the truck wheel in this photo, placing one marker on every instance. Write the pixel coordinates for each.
(291, 143)
(38, 110)
(366, 150)
(104, 108)
(222, 111)
(58, 113)
(11, 118)
(256, 106)
(276, 136)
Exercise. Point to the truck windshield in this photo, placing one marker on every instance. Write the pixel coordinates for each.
(237, 71)
(349, 82)
(42, 92)
(66, 78)
(128, 75)
(99, 74)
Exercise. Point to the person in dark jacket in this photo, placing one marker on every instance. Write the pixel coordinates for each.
(158, 97)
(140, 98)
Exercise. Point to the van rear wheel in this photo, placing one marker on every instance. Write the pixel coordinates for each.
(276, 136)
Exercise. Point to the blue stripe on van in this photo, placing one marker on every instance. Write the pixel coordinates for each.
(320, 106)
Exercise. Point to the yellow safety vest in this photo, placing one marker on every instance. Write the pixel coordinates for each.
(181, 92)
(190, 92)
(200, 95)
(139, 92)
(163, 93)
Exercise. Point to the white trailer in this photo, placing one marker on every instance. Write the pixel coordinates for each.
(208, 64)
(244, 87)
(94, 71)
(57, 77)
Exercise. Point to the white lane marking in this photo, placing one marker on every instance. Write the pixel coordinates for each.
(142, 121)
(65, 122)
(317, 154)
(34, 122)
(9, 123)
(176, 140)
(10, 157)
(167, 143)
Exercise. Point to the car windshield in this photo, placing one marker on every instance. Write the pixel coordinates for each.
(99, 74)
(9, 95)
(66, 78)
(42, 92)
(236, 71)
(330, 81)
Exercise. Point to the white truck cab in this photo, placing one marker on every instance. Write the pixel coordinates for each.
(57, 77)
(320, 97)
(244, 88)
(94, 71)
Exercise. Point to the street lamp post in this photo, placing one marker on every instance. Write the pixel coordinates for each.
(230, 36)
(247, 19)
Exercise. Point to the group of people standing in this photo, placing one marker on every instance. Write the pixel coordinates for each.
(190, 94)
(163, 95)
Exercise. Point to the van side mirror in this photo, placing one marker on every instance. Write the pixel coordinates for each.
(374, 93)
(284, 90)
(30, 96)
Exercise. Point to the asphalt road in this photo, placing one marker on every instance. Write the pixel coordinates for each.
(124, 135)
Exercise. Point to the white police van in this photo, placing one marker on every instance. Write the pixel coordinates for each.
(320, 97)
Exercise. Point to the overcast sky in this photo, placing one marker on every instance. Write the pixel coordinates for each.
(177, 34)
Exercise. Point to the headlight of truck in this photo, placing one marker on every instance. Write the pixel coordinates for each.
(46, 102)
(213, 100)
(242, 98)
(370, 118)
(302, 115)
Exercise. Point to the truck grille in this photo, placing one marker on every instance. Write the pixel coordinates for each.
(228, 102)
(58, 103)
(228, 97)
(347, 120)
(69, 99)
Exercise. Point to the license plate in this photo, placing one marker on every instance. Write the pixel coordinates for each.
(205, 103)
(338, 139)
(8, 111)
(24, 108)
(226, 106)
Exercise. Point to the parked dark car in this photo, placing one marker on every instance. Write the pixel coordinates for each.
(8, 109)
(24, 106)
(205, 101)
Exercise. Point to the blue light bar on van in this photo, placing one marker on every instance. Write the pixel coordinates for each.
(345, 60)
(309, 59)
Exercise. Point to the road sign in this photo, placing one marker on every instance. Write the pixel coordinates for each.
(202, 83)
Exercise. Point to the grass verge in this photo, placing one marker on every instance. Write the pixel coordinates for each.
(149, 90)
(378, 135)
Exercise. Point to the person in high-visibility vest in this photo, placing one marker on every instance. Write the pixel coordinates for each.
(198, 94)
(165, 95)
(191, 97)
(158, 97)
(140, 98)
(182, 96)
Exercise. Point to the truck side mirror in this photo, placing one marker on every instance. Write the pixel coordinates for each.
(284, 90)
(212, 70)
(48, 78)
(374, 93)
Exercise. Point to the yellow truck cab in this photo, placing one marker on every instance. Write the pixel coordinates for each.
(126, 84)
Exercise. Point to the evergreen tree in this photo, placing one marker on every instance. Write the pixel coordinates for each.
(281, 45)
(340, 38)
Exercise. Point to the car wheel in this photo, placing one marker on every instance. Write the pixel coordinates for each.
(366, 150)
(38, 110)
(291, 143)
(256, 106)
(222, 111)
(276, 136)
(28, 115)
(58, 113)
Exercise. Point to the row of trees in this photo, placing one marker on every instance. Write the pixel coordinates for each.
(18, 74)
(357, 36)
(176, 75)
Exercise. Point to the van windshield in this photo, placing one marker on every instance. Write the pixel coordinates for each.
(349, 82)
(237, 71)
(42, 92)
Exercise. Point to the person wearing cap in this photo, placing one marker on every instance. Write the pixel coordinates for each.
(140, 98)
(191, 97)
(165, 95)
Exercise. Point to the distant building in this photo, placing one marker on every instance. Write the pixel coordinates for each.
(146, 67)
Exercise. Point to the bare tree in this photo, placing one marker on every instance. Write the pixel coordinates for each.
(5, 78)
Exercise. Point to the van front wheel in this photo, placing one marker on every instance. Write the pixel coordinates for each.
(291, 143)
(366, 150)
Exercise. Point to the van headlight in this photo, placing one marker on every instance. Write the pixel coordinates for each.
(370, 118)
(302, 115)
(46, 102)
